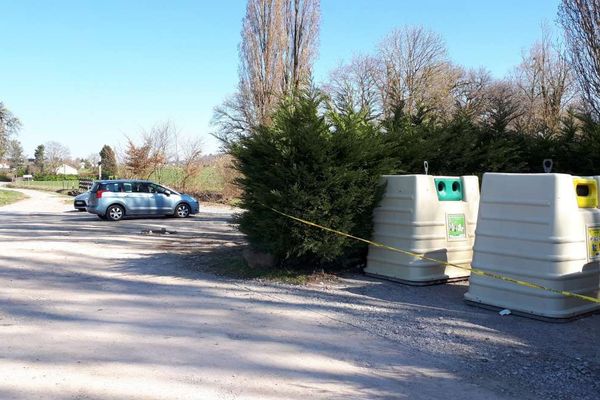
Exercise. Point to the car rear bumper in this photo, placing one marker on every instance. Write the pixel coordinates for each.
(92, 209)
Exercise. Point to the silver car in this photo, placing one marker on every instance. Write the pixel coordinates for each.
(80, 201)
(115, 199)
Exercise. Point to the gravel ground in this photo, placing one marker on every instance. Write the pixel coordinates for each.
(516, 356)
(96, 310)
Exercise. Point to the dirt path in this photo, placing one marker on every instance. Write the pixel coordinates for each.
(94, 310)
(38, 201)
(91, 309)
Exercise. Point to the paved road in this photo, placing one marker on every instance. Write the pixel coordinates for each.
(91, 309)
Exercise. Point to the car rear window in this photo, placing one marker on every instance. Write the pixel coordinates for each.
(109, 187)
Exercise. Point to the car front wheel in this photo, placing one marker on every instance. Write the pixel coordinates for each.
(182, 211)
(115, 213)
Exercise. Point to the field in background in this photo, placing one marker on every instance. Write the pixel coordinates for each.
(52, 186)
(212, 182)
(208, 180)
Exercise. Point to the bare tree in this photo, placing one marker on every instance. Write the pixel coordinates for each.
(191, 161)
(152, 154)
(580, 20)
(136, 159)
(472, 91)
(93, 159)
(354, 86)
(302, 32)
(502, 106)
(417, 71)
(279, 39)
(9, 125)
(161, 140)
(262, 53)
(544, 80)
(56, 154)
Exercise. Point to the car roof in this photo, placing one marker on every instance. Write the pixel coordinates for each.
(122, 180)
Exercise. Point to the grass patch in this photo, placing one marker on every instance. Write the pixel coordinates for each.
(50, 186)
(9, 197)
(234, 266)
(234, 202)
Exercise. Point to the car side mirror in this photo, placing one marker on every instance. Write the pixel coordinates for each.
(167, 193)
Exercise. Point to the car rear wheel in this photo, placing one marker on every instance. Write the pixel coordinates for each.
(115, 213)
(182, 211)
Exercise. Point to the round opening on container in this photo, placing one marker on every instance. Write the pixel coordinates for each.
(441, 186)
(582, 190)
(455, 186)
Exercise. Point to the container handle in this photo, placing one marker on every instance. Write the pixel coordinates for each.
(548, 163)
(426, 166)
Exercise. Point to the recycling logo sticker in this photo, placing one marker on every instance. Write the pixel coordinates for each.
(457, 227)
(593, 242)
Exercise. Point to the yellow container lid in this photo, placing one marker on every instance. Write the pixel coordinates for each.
(586, 190)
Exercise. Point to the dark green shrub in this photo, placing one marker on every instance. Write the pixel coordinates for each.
(321, 166)
(461, 147)
(109, 162)
(457, 147)
(324, 166)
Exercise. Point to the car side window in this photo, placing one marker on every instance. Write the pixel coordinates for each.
(141, 187)
(127, 187)
(109, 187)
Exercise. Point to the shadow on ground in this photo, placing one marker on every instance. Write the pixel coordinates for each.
(93, 309)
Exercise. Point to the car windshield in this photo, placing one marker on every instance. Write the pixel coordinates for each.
(161, 189)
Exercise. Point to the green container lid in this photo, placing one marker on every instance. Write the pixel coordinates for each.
(449, 189)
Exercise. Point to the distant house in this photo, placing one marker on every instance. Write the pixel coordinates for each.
(65, 170)
(4, 165)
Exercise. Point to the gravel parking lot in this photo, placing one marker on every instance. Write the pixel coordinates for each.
(91, 309)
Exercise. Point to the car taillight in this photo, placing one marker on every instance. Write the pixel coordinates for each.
(99, 193)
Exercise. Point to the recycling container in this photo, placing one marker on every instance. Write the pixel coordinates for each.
(433, 216)
(538, 228)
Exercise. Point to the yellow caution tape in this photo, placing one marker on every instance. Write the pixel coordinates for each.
(475, 271)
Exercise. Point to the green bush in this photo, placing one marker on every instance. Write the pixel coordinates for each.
(324, 166)
(462, 147)
(321, 166)
(54, 177)
(458, 147)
